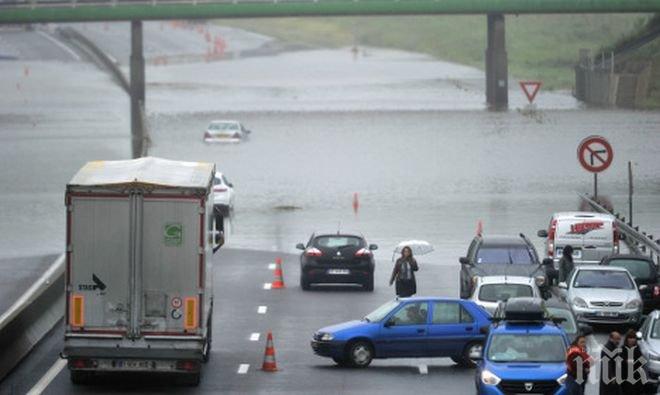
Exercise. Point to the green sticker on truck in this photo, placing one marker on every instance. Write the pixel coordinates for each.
(173, 235)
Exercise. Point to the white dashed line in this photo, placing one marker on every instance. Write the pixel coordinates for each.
(423, 369)
(271, 266)
(243, 368)
(262, 309)
(267, 285)
(254, 337)
(43, 383)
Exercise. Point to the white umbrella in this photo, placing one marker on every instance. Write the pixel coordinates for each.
(418, 247)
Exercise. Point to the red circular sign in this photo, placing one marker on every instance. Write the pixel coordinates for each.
(176, 302)
(595, 154)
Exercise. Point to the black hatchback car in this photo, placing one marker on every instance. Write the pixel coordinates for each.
(645, 274)
(501, 255)
(337, 258)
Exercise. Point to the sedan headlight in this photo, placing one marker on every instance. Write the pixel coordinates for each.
(326, 337)
(634, 304)
(489, 378)
(562, 379)
(579, 302)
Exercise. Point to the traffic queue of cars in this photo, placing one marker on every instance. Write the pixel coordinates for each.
(506, 322)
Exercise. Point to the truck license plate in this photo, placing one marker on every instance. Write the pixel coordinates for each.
(339, 271)
(133, 364)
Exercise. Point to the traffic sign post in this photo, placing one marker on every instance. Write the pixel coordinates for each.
(530, 88)
(595, 154)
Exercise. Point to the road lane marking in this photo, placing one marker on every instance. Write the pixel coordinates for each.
(262, 309)
(423, 369)
(254, 337)
(271, 266)
(243, 368)
(60, 44)
(43, 383)
(268, 285)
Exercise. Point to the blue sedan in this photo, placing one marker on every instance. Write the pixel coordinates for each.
(407, 328)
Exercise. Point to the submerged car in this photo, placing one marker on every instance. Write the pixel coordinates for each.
(645, 274)
(225, 132)
(407, 328)
(524, 353)
(337, 258)
(490, 290)
(603, 295)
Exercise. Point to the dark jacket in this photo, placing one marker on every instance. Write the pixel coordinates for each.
(608, 362)
(630, 370)
(565, 268)
(404, 288)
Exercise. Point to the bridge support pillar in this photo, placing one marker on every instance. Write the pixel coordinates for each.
(137, 90)
(497, 84)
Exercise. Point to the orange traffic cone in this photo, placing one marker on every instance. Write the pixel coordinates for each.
(279, 279)
(269, 364)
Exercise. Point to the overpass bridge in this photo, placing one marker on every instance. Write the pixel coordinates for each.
(44, 11)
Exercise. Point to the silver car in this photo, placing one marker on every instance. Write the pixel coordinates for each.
(603, 295)
(490, 290)
(649, 343)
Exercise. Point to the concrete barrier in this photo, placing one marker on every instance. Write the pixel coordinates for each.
(33, 315)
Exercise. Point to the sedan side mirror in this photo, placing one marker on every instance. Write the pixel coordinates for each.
(542, 233)
(463, 260)
(300, 246)
(563, 285)
(373, 247)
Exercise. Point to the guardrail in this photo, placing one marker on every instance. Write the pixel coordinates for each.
(638, 241)
(33, 315)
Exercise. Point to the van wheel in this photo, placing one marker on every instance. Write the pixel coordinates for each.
(360, 354)
(471, 351)
(80, 377)
(190, 379)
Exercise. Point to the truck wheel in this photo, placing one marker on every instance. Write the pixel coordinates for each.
(209, 339)
(369, 284)
(360, 354)
(80, 377)
(190, 379)
(304, 283)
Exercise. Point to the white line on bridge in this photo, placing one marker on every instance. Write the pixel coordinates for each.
(254, 337)
(243, 368)
(262, 309)
(60, 44)
(48, 377)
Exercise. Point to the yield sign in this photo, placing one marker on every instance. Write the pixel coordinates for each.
(595, 154)
(531, 88)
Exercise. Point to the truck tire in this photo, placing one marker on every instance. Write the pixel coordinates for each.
(80, 377)
(369, 284)
(209, 339)
(304, 283)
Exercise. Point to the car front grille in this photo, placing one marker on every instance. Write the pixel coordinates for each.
(607, 304)
(547, 387)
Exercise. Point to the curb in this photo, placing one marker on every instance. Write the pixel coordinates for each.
(33, 315)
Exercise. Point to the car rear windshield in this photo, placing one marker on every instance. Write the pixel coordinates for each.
(380, 313)
(602, 279)
(526, 348)
(637, 268)
(337, 241)
(497, 292)
(568, 324)
(223, 126)
(505, 254)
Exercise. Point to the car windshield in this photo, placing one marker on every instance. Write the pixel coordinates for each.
(638, 268)
(568, 324)
(223, 126)
(526, 348)
(337, 241)
(655, 333)
(505, 254)
(497, 292)
(602, 279)
(380, 313)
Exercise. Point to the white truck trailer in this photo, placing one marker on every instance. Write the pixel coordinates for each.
(139, 277)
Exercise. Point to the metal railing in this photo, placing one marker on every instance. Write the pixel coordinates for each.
(638, 241)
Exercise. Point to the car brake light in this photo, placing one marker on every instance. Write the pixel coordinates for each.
(82, 363)
(188, 366)
(362, 252)
(656, 291)
(220, 189)
(313, 252)
(551, 238)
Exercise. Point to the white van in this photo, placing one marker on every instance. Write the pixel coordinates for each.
(593, 236)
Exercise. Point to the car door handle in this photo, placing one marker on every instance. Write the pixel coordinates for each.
(421, 330)
(468, 328)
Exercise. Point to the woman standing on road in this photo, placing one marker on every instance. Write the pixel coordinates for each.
(634, 382)
(566, 263)
(578, 364)
(404, 274)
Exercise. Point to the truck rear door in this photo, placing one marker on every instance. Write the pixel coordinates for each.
(98, 296)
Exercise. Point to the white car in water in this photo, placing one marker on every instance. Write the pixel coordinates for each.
(223, 193)
(225, 131)
(489, 291)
